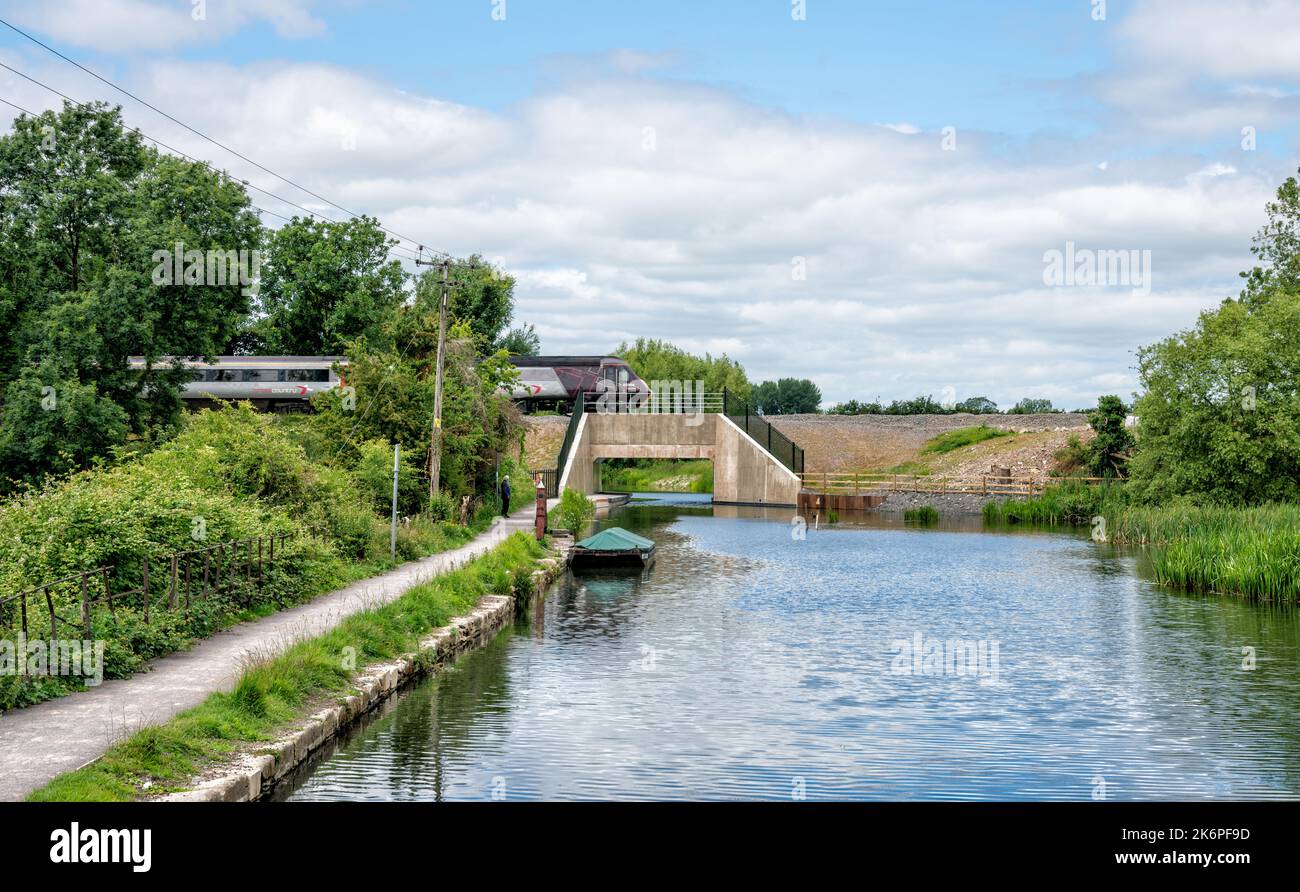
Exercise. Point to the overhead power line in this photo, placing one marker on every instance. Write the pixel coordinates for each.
(406, 254)
(215, 142)
(400, 250)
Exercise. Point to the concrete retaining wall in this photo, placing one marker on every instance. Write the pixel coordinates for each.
(743, 471)
(253, 776)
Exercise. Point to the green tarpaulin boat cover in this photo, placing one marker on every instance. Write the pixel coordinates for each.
(616, 539)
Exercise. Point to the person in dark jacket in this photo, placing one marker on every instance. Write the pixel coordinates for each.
(505, 496)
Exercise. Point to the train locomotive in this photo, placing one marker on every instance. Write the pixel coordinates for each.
(554, 382)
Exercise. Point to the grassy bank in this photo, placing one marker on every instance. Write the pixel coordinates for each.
(1249, 551)
(666, 475)
(229, 474)
(1069, 502)
(272, 695)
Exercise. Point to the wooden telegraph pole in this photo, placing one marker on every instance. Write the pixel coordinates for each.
(435, 429)
(435, 435)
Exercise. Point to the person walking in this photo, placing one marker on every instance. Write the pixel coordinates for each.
(505, 496)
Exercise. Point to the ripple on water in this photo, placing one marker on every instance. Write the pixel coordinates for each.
(747, 664)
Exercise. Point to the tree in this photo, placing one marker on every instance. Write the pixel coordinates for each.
(1220, 412)
(655, 360)
(787, 396)
(1277, 246)
(85, 212)
(921, 405)
(853, 407)
(521, 341)
(1108, 453)
(1031, 406)
(481, 296)
(977, 405)
(323, 285)
(1220, 415)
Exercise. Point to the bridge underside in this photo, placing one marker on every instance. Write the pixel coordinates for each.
(744, 473)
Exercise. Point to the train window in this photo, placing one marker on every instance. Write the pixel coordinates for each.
(214, 375)
(306, 375)
(258, 375)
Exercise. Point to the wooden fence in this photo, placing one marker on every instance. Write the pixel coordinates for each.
(846, 483)
(189, 576)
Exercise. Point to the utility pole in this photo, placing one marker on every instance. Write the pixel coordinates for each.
(435, 439)
(397, 463)
(435, 430)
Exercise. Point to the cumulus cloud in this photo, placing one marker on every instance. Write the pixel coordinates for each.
(125, 25)
(864, 256)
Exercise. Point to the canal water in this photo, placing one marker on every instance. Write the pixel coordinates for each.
(861, 661)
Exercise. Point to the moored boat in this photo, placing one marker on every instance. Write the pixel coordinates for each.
(613, 547)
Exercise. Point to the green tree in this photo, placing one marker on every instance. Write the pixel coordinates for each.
(853, 407)
(521, 341)
(1220, 412)
(921, 405)
(480, 295)
(1108, 453)
(1277, 247)
(325, 284)
(1031, 406)
(977, 405)
(787, 396)
(1219, 418)
(85, 212)
(655, 360)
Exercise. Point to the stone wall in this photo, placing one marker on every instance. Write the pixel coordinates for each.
(252, 777)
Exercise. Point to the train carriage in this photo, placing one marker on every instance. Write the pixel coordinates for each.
(271, 383)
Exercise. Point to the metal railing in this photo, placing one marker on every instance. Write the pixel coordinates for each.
(781, 447)
(680, 402)
(660, 402)
(570, 434)
(222, 566)
(550, 478)
(849, 483)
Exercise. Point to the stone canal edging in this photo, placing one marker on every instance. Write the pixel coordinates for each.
(251, 777)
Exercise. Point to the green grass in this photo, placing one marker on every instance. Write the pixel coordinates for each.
(962, 436)
(273, 693)
(910, 469)
(924, 515)
(1069, 502)
(1249, 551)
(1253, 551)
(659, 475)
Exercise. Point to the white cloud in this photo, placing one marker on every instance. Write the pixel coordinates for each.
(1226, 39)
(923, 267)
(125, 25)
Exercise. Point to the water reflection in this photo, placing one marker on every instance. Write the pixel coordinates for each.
(748, 663)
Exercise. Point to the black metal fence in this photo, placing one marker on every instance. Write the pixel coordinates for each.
(550, 479)
(188, 576)
(782, 448)
(579, 406)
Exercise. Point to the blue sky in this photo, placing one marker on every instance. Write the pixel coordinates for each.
(660, 169)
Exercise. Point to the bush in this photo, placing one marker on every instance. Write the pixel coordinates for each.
(229, 474)
(574, 512)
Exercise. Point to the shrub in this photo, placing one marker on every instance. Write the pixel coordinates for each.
(574, 512)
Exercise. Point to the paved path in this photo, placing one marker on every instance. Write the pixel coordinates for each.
(42, 741)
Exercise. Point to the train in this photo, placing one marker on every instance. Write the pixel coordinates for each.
(269, 383)
(554, 382)
(287, 383)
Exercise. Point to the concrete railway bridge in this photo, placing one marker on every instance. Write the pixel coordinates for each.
(753, 463)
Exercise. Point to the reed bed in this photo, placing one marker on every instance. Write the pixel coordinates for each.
(1249, 551)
